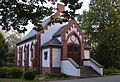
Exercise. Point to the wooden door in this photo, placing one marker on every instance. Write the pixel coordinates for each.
(73, 51)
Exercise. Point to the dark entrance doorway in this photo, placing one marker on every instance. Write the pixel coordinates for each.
(73, 51)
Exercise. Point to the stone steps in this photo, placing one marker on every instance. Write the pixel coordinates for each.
(87, 71)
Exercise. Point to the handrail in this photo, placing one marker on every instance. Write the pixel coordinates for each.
(93, 61)
(73, 62)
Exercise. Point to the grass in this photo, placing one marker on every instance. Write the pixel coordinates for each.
(16, 80)
(48, 77)
(41, 78)
(111, 71)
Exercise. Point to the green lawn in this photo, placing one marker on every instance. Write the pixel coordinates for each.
(111, 71)
(41, 78)
(17, 80)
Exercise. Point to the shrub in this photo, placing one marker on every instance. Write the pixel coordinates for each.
(16, 72)
(4, 72)
(30, 74)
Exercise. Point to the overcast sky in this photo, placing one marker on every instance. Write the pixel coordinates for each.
(85, 6)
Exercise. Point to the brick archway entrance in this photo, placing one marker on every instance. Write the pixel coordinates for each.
(73, 51)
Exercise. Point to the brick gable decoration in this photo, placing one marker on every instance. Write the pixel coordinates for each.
(57, 48)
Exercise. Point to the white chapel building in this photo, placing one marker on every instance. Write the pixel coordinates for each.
(57, 48)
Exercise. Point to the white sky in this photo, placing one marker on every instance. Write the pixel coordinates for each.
(85, 6)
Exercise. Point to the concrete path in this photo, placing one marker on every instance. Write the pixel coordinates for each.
(115, 78)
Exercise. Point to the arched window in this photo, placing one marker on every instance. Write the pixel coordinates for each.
(73, 48)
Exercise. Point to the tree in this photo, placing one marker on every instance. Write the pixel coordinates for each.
(16, 13)
(11, 39)
(3, 50)
(102, 26)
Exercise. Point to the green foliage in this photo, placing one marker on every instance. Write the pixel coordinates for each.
(16, 80)
(30, 74)
(106, 56)
(111, 71)
(3, 51)
(7, 47)
(4, 72)
(12, 39)
(16, 72)
(101, 25)
(17, 13)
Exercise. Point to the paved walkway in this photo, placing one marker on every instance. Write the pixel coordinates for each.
(115, 78)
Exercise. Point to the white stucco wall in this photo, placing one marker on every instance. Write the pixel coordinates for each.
(56, 57)
(87, 54)
(68, 68)
(46, 63)
(30, 62)
(47, 35)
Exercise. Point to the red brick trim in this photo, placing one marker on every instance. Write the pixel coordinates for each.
(38, 53)
(50, 58)
(82, 34)
(56, 70)
(46, 70)
(34, 61)
(21, 56)
(64, 38)
(53, 70)
(74, 33)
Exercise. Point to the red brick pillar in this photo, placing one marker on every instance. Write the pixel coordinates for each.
(38, 52)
